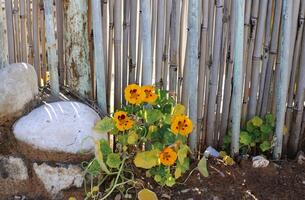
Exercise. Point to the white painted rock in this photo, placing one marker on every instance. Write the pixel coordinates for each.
(63, 126)
(17, 88)
(13, 168)
(56, 179)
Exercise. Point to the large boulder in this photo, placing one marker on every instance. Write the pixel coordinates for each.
(18, 86)
(63, 127)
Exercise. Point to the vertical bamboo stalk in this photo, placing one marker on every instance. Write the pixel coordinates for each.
(42, 42)
(257, 58)
(265, 55)
(282, 84)
(99, 54)
(29, 30)
(10, 29)
(253, 22)
(202, 63)
(110, 53)
(228, 82)
(272, 56)
(77, 48)
(214, 73)
(23, 30)
(91, 51)
(117, 53)
(139, 47)
(3, 52)
(173, 54)
(132, 41)
(147, 43)
(105, 31)
(237, 75)
(159, 39)
(51, 46)
(60, 41)
(36, 41)
(192, 66)
(16, 17)
(126, 28)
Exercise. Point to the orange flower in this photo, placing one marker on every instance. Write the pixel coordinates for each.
(149, 94)
(181, 124)
(133, 94)
(168, 156)
(122, 121)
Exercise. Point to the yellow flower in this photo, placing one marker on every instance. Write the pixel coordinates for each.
(133, 94)
(149, 94)
(72, 198)
(122, 121)
(168, 156)
(181, 124)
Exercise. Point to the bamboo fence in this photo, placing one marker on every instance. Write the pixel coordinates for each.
(226, 60)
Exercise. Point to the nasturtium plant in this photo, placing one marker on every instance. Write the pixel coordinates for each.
(150, 132)
(256, 137)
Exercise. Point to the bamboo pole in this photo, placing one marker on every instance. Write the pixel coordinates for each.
(3, 51)
(298, 21)
(91, 52)
(16, 17)
(77, 58)
(147, 42)
(126, 29)
(192, 66)
(105, 32)
(60, 41)
(282, 84)
(265, 55)
(99, 54)
(237, 75)
(272, 56)
(51, 46)
(173, 50)
(29, 31)
(117, 53)
(214, 73)
(132, 41)
(23, 30)
(110, 54)
(256, 59)
(223, 66)
(202, 63)
(253, 21)
(159, 40)
(36, 41)
(228, 81)
(10, 29)
(140, 47)
(42, 42)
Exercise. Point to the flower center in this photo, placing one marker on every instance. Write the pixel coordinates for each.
(166, 156)
(134, 93)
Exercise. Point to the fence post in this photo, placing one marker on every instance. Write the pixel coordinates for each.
(237, 74)
(10, 29)
(51, 46)
(192, 67)
(147, 45)
(99, 62)
(3, 51)
(77, 47)
(282, 82)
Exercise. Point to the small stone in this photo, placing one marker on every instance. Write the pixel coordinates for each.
(56, 179)
(301, 158)
(118, 197)
(13, 168)
(185, 190)
(166, 196)
(303, 182)
(259, 162)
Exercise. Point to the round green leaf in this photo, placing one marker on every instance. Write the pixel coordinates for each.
(245, 138)
(114, 160)
(257, 121)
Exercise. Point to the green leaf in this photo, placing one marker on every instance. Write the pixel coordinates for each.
(153, 115)
(105, 148)
(93, 167)
(157, 178)
(114, 160)
(170, 181)
(202, 167)
(265, 146)
(147, 159)
(257, 121)
(100, 157)
(265, 128)
(250, 127)
(123, 139)
(179, 109)
(178, 172)
(146, 194)
(167, 108)
(132, 137)
(167, 118)
(182, 153)
(270, 119)
(105, 125)
(245, 138)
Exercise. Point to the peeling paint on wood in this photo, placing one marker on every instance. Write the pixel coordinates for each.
(77, 47)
